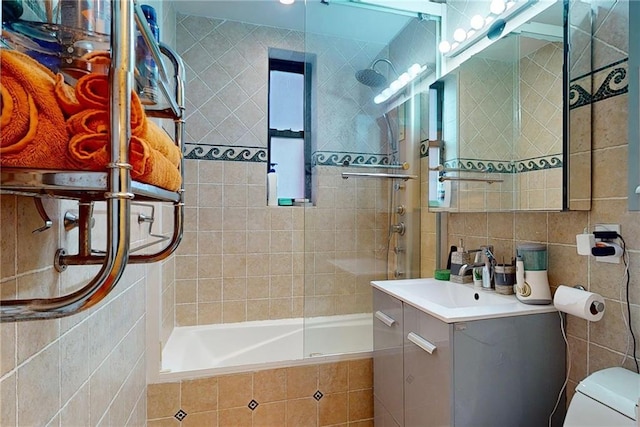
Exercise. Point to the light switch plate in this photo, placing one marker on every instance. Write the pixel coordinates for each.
(608, 227)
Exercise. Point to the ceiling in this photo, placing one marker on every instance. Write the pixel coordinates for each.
(337, 18)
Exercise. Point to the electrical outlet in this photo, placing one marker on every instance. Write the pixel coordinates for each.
(608, 227)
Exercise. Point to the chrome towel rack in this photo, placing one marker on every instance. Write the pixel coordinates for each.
(113, 186)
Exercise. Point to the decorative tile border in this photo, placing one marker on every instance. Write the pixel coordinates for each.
(502, 166)
(424, 148)
(539, 163)
(607, 82)
(337, 158)
(225, 152)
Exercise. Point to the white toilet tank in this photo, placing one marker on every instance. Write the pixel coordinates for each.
(607, 398)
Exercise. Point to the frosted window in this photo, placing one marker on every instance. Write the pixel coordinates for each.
(288, 153)
(286, 101)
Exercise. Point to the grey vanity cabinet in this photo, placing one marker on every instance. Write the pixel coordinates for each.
(388, 388)
(480, 373)
(427, 369)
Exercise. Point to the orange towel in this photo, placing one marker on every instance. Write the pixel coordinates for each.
(91, 152)
(66, 97)
(88, 121)
(33, 132)
(158, 139)
(92, 91)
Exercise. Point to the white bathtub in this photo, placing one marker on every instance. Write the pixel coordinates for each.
(198, 351)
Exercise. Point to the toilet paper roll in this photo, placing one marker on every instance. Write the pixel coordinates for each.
(583, 304)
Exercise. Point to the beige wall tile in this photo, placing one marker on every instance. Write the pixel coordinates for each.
(234, 311)
(200, 395)
(209, 313)
(8, 237)
(235, 417)
(235, 391)
(332, 409)
(360, 405)
(270, 414)
(270, 385)
(8, 398)
(302, 412)
(531, 227)
(302, 381)
(201, 419)
(333, 377)
(31, 387)
(360, 374)
(186, 314)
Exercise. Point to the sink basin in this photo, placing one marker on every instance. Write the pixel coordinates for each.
(458, 296)
(455, 302)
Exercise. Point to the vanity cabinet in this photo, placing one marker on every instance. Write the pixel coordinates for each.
(490, 372)
(388, 378)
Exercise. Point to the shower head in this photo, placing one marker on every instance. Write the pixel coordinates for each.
(373, 78)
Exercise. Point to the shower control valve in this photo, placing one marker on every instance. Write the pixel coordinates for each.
(400, 210)
(398, 228)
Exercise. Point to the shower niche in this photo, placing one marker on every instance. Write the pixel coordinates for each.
(513, 124)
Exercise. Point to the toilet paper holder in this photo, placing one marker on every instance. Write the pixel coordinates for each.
(597, 306)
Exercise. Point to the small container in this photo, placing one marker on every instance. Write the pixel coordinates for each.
(442, 274)
(477, 277)
(272, 186)
(504, 277)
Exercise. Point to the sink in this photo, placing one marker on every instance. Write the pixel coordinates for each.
(455, 302)
(457, 295)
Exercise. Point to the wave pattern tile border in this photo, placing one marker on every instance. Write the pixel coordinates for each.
(225, 152)
(607, 82)
(327, 158)
(502, 166)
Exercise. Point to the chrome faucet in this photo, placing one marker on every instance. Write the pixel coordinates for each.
(466, 267)
(484, 258)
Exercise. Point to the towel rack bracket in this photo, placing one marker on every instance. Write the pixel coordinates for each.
(57, 260)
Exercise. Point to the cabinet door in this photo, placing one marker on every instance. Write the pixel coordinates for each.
(387, 360)
(427, 373)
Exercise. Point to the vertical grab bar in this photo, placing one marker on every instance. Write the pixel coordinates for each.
(119, 196)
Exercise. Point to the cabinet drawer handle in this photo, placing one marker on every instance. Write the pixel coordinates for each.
(421, 342)
(389, 321)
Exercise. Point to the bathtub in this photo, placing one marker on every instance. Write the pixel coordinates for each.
(208, 350)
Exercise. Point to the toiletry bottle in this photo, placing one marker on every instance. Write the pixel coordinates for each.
(147, 83)
(272, 186)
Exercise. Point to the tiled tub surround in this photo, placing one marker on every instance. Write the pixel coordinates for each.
(241, 260)
(327, 394)
(600, 344)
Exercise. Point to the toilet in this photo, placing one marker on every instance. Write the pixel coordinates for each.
(609, 397)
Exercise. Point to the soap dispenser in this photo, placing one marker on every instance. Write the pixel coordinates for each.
(272, 185)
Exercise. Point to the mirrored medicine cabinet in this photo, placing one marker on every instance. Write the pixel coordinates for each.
(513, 119)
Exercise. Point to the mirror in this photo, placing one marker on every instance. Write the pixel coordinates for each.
(513, 133)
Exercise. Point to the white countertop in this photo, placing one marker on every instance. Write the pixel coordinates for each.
(454, 302)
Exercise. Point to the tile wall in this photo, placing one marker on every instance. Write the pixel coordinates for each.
(240, 259)
(328, 394)
(86, 369)
(602, 344)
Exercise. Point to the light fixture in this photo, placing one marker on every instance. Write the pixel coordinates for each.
(459, 35)
(500, 11)
(287, 1)
(398, 84)
(477, 22)
(444, 46)
(497, 7)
